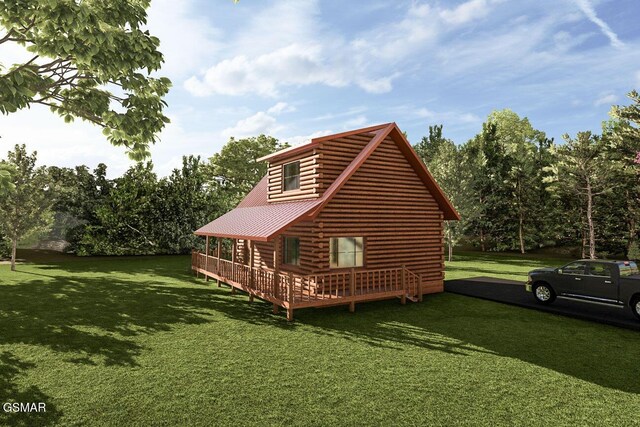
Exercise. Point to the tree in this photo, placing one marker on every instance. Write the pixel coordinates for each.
(27, 208)
(583, 170)
(490, 212)
(89, 60)
(623, 136)
(445, 162)
(429, 145)
(184, 203)
(234, 171)
(519, 138)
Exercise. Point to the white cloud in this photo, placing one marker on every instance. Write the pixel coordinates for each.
(356, 122)
(302, 52)
(258, 123)
(281, 107)
(293, 65)
(187, 40)
(425, 113)
(466, 12)
(303, 139)
(59, 143)
(587, 8)
(606, 99)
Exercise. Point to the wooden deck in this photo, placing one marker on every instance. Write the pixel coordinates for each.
(291, 291)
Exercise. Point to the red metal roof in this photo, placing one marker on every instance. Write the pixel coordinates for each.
(260, 223)
(258, 196)
(257, 219)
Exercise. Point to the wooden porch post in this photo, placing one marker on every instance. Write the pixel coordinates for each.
(218, 261)
(420, 287)
(206, 259)
(403, 298)
(251, 275)
(276, 272)
(233, 264)
(290, 297)
(352, 290)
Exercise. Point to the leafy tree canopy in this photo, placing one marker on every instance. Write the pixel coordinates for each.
(89, 60)
(235, 169)
(25, 210)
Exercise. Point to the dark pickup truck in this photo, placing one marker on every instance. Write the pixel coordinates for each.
(612, 283)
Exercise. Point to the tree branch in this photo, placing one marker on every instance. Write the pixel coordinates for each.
(7, 36)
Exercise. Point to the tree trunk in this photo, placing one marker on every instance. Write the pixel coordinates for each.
(521, 232)
(450, 244)
(14, 246)
(481, 240)
(592, 235)
(584, 243)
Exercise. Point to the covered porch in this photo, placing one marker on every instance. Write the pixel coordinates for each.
(290, 290)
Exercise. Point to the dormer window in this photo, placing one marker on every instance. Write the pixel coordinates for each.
(291, 175)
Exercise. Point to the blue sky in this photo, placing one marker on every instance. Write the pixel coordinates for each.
(298, 69)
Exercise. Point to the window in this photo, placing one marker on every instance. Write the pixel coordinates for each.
(600, 269)
(579, 267)
(291, 176)
(627, 268)
(346, 252)
(291, 251)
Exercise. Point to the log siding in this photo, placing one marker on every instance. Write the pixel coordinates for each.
(309, 178)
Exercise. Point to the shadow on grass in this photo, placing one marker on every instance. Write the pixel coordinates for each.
(463, 326)
(11, 368)
(96, 319)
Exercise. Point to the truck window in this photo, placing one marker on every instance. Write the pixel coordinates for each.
(600, 269)
(578, 267)
(627, 268)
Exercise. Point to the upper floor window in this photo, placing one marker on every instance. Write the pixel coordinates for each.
(291, 176)
(346, 252)
(291, 250)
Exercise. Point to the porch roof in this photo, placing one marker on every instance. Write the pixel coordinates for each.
(260, 223)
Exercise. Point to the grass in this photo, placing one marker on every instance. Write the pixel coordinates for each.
(502, 265)
(139, 341)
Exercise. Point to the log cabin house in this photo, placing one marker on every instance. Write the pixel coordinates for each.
(344, 218)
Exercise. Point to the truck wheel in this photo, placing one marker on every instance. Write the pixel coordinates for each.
(543, 293)
(635, 306)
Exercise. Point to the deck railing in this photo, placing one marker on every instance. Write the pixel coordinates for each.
(291, 290)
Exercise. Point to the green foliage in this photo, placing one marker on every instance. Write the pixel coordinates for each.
(623, 138)
(634, 251)
(234, 171)
(446, 163)
(137, 213)
(583, 171)
(25, 211)
(6, 183)
(91, 60)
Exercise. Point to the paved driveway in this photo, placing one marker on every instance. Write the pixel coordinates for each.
(511, 292)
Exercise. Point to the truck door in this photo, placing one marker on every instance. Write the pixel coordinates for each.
(600, 283)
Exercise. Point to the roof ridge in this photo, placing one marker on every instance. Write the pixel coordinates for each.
(355, 164)
(315, 141)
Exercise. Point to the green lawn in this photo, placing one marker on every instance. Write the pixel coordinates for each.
(139, 341)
